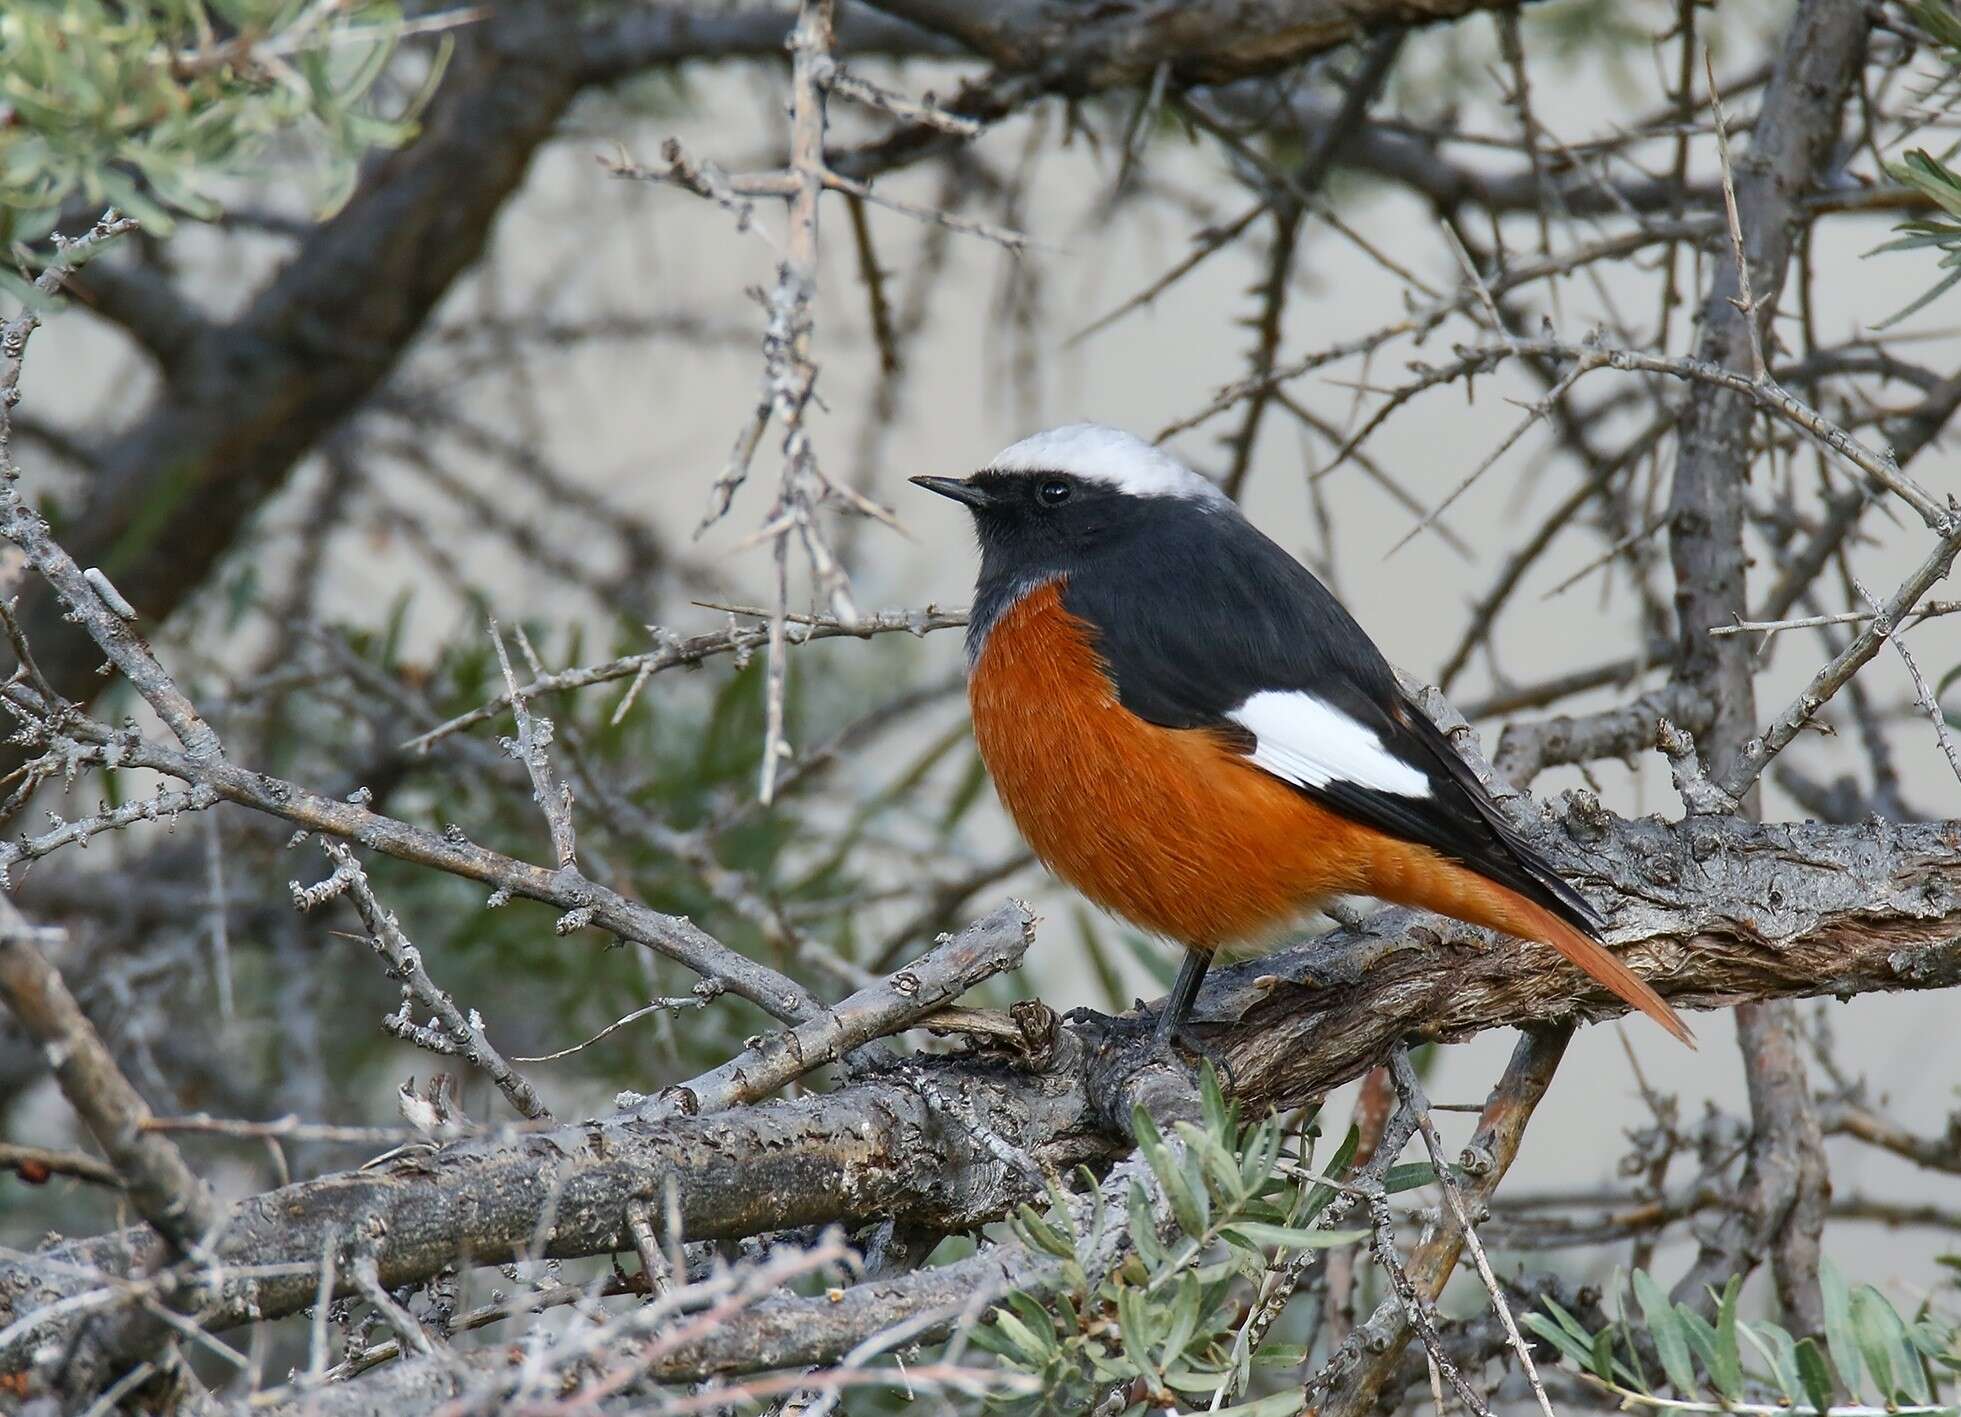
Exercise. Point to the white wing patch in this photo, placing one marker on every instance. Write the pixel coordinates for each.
(1311, 743)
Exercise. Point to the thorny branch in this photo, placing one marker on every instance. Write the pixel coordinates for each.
(1717, 909)
(453, 1032)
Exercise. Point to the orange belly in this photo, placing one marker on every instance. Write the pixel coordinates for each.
(1173, 829)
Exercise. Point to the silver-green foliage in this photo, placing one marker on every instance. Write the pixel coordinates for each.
(148, 107)
(1241, 1200)
(1929, 173)
(1872, 1358)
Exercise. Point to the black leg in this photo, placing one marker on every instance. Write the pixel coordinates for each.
(1184, 990)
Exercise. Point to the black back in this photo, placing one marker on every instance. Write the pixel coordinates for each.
(1194, 610)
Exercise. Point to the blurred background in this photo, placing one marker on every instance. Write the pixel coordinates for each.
(540, 449)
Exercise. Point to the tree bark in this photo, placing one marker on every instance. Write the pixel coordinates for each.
(1724, 910)
(1790, 153)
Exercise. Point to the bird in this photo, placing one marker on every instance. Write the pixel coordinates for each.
(1190, 729)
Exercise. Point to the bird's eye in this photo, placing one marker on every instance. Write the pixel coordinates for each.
(1053, 493)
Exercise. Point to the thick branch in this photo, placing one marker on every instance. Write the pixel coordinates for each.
(1724, 910)
(164, 1190)
(1079, 49)
(1791, 149)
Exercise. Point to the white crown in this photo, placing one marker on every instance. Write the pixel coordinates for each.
(1098, 453)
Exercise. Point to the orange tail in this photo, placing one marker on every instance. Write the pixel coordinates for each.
(1450, 889)
(1535, 922)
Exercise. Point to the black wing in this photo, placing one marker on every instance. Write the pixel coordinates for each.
(1223, 613)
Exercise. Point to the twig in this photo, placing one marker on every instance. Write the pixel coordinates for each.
(1410, 1088)
(953, 966)
(460, 1034)
(1284, 1280)
(164, 805)
(1415, 1306)
(673, 652)
(37, 1164)
(691, 1001)
(1758, 752)
(1539, 409)
(534, 735)
(1628, 1397)
(1357, 1374)
(1745, 303)
(367, 1279)
(1701, 796)
(160, 1184)
(1922, 694)
(291, 1128)
(584, 901)
(1769, 396)
(926, 114)
(1931, 610)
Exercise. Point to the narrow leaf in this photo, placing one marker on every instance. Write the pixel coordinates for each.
(1288, 1237)
(1843, 1346)
(1571, 1348)
(1815, 1374)
(1671, 1341)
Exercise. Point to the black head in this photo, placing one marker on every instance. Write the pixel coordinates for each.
(1070, 493)
(1075, 502)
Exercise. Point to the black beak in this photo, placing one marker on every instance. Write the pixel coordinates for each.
(955, 488)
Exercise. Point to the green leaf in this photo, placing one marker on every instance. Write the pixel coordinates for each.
(1183, 1322)
(1188, 1204)
(1111, 1367)
(1031, 1313)
(1625, 1328)
(1408, 1176)
(1869, 1331)
(1289, 1237)
(1701, 1335)
(1921, 301)
(1218, 1116)
(1779, 1352)
(990, 1339)
(1281, 1404)
(1321, 1194)
(1037, 1348)
(1203, 1384)
(1042, 1235)
(1280, 1355)
(1143, 1227)
(1216, 1160)
(1883, 1338)
(1728, 1372)
(1839, 1339)
(1815, 1374)
(1579, 1353)
(1132, 1324)
(1566, 1320)
(1671, 1340)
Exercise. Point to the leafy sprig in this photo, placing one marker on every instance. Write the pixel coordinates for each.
(1873, 1358)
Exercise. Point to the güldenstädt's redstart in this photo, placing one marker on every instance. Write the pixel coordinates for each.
(1190, 729)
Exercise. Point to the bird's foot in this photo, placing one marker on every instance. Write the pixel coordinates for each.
(1136, 1042)
(1184, 1037)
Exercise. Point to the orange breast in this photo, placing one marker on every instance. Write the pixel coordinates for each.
(1170, 828)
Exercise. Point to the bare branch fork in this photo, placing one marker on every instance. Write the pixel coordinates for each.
(454, 1033)
(673, 652)
(1410, 1089)
(789, 365)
